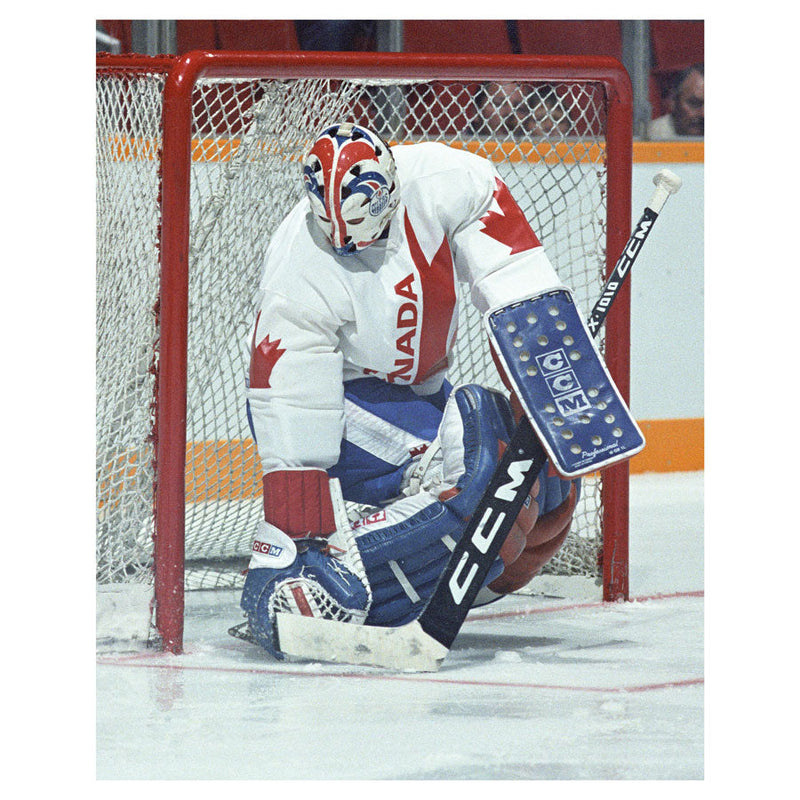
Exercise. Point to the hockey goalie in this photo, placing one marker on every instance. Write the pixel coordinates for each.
(348, 397)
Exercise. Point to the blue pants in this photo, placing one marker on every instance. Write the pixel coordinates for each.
(385, 427)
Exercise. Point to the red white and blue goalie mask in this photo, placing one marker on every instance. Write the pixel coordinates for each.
(351, 181)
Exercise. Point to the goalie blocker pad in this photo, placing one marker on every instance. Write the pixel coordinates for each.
(563, 384)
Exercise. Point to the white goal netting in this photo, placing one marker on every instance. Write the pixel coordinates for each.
(248, 137)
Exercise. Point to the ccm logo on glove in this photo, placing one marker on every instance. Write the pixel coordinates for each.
(265, 549)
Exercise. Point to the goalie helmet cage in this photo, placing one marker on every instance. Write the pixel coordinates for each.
(197, 162)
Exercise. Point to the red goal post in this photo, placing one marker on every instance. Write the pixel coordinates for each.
(204, 108)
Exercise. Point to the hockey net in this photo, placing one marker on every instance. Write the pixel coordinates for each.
(248, 135)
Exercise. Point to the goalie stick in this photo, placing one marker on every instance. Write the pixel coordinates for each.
(422, 645)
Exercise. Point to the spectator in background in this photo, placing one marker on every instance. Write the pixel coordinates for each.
(335, 34)
(518, 110)
(547, 113)
(685, 107)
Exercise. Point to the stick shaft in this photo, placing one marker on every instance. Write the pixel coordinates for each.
(491, 522)
(667, 183)
(621, 271)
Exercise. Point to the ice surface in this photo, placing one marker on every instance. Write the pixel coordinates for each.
(534, 688)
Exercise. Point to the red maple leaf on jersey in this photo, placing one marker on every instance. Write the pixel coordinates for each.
(509, 227)
(262, 361)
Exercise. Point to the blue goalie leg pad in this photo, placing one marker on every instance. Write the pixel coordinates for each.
(391, 604)
(405, 550)
(554, 490)
(563, 384)
(488, 419)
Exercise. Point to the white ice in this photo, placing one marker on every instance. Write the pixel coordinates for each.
(533, 688)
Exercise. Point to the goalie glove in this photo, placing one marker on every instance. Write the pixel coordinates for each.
(299, 576)
(313, 569)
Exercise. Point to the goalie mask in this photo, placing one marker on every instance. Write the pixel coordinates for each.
(351, 181)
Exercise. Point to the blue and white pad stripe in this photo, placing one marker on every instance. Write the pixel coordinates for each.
(563, 384)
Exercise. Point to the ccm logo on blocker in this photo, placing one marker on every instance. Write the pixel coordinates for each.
(563, 383)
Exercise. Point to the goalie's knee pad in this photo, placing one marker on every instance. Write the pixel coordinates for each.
(405, 546)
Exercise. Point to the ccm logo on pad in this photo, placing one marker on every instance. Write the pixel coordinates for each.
(563, 383)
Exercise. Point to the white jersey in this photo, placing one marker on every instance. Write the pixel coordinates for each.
(389, 310)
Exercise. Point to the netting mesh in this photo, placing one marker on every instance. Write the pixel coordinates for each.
(128, 141)
(248, 139)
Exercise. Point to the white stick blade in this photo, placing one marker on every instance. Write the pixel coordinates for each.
(406, 648)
